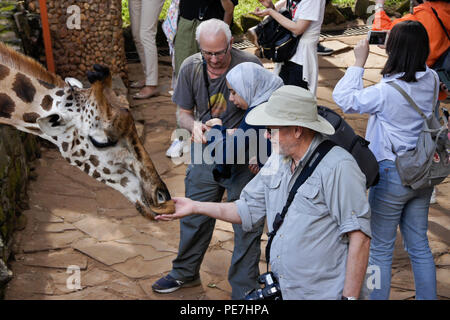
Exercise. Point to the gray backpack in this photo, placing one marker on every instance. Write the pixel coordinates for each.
(428, 164)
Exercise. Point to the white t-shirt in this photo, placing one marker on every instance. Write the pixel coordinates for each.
(306, 54)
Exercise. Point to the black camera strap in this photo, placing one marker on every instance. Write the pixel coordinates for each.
(440, 22)
(309, 168)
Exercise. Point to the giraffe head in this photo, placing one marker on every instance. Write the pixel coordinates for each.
(90, 128)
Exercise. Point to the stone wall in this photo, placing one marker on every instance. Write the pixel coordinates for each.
(85, 32)
(17, 149)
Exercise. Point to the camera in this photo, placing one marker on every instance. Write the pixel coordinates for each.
(377, 37)
(270, 291)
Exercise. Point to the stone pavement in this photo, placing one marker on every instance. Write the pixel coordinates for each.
(76, 224)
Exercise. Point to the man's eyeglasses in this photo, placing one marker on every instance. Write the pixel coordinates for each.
(217, 54)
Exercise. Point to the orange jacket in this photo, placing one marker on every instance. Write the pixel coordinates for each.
(439, 42)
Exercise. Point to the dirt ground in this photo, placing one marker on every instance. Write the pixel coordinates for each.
(78, 227)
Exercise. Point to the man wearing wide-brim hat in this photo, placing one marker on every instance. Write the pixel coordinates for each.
(321, 249)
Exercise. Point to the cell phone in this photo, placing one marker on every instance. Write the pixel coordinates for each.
(377, 37)
(444, 77)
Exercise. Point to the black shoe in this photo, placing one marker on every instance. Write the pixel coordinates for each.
(323, 51)
(168, 284)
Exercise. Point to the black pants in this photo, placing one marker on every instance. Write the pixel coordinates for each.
(292, 74)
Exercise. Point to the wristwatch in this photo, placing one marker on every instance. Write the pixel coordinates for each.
(348, 298)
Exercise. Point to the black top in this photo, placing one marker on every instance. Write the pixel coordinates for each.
(202, 9)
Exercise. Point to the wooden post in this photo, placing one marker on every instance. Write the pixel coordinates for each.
(47, 37)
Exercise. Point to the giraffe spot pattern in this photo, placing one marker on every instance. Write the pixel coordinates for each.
(23, 87)
(94, 160)
(47, 103)
(124, 182)
(30, 117)
(7, 106)
(4, 72)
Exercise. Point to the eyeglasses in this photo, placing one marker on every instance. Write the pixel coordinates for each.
(217, 54)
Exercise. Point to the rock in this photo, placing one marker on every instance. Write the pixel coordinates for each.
(361, 8)
(403, 7)
(5, 273)
(247, 21)
(333, 15)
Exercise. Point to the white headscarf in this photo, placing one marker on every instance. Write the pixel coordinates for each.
(253, 83)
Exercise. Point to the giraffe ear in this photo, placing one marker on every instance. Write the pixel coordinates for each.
(72, 82)
(53, 124)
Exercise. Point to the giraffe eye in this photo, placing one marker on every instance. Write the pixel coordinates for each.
(161, 198)
(100, 145)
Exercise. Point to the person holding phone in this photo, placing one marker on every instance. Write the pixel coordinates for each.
(393, 128)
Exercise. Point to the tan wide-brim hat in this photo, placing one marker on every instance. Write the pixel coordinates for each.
(290, 106)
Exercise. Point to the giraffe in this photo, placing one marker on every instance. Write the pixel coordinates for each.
(88, 125)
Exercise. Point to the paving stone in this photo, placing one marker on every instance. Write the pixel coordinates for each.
(42, 216)
(112, 199)
(103, 229)
(68, 215)
(34, 283)
(95, 293)
(51, 241)
(144, 239)
(161, 162)
(55, 227)
(336, 45)
(443, 260)
(54, 259)
(225, 226)
(105, 252)
(372, 75)
(217, 262)
(57, 203)
(117, 213)
(220, 236)
(397, 294)
(137, 267)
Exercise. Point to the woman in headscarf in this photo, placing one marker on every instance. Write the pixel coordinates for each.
(249, 85)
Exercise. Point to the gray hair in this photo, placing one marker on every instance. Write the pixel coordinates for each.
(212, 27)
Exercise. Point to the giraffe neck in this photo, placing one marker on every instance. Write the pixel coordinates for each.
(24, 99)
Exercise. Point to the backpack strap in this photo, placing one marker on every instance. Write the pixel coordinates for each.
(411, 101)
(306, 172)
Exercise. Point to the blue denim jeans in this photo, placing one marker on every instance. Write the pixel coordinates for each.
(394, 205)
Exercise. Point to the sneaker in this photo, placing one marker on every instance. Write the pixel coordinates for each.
(168, 284)
(323, 51)
(176, 149)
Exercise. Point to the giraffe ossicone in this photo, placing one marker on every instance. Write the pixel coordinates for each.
(88, 125)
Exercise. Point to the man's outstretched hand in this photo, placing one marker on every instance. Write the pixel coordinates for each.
(183, 207)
